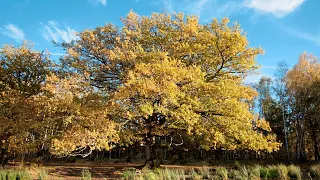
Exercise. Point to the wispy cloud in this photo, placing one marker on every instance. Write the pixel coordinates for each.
(269, 67)
(198, 7)
(279, 8)
(201, 8)
(219, 8)
(13, 31)
(264, 71)
(168, 5)
(253, 78)
(226, 9)
(307, 36)
(103, 2)
(315, 38)
(53, 31)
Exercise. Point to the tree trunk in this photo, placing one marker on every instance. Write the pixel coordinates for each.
(315, 143)
(151, 156)
(302, 147)
(147, 152)
(150, 140)
(129, 154)
(300, 138)
(165, 150)
(286, 146)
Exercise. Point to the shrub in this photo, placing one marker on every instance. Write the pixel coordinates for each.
(314, 172)
(171, 174)
(235, 175)
(3, 175)
(129, 174)
(181, 174)
(161, 173)
(222, 172)
(194, 174)
(237, 165)
(25, 175)
(15, 174)
(86, 175)
(283, 170)
(273, 172)
(294, 172)
(12, 175)
(150, 175)
(263, 172)
(197, 177)
(205, 172)
(215, 177)
(244, 172)
(254, 173)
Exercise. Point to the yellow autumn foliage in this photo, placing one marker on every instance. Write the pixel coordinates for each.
(167, 73)
(41, 111)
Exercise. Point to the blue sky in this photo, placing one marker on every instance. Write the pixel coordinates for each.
(283, 28)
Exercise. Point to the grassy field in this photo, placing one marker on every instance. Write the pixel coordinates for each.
(114, 170)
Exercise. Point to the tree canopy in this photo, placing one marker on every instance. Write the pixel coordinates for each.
(168, 74)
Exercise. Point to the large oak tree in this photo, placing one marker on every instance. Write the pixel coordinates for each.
(167, 75)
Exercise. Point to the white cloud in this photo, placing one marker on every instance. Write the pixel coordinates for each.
(13, 31)
(52, 31)
(103, 2)
(279, 8)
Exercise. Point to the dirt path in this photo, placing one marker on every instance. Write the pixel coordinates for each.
(98, 170)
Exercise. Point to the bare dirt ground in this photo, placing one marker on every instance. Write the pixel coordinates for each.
(72, 171)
